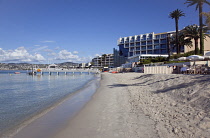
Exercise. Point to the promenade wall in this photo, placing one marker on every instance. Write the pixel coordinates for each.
(159, 69)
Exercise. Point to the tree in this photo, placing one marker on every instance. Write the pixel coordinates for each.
(207, 15)
(176, 15)
(182, 40)
(199, 5)
(193, 32)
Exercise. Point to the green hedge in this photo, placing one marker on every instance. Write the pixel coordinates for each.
(165, 60)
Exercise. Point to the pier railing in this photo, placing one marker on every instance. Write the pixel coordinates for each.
(66, 71)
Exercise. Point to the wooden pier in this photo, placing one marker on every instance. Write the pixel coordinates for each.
(64, 72)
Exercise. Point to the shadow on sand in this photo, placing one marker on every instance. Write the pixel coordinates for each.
(196, 81)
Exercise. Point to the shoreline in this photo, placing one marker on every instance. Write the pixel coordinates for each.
(145, 105)
(77, 98)
(139, 105)
(109, 114)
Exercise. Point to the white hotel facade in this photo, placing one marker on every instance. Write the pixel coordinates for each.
(145, 45)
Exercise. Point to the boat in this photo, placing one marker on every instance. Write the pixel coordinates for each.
(32, 73)
(17, 72)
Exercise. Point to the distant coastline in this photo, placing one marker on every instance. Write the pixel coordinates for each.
(28, 66)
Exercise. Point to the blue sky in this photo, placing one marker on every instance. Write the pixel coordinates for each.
(53, 31)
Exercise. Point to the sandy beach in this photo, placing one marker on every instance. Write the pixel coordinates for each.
(132, 105)
(136, 105)
(144, 105)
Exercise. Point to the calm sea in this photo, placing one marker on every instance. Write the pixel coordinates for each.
(23, 96)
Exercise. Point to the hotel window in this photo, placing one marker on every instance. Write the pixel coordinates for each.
(156, 51)
(157, 36)
(143, 52)
(143, 43)
(163, 36)
(132, 39)
(138, 38)
(163, 51)
(149, 47)
(149, 52)
(132, 44)
(143, 48)
(127, 40)
(137, 52)
(149, 42)
(163, 46)
(144, 37)
(156, 47)
(150, 36)
(137, 48)
(156, 42)
(131, 49)
(122, 40)
(126, 45)
(163, 41)
(138, 44)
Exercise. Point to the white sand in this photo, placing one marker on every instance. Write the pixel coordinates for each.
(179, 104)
(110, 114)
(135, 105)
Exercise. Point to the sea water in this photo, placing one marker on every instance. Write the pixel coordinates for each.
(23, 96)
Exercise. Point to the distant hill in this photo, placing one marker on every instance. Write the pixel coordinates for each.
(28, 66)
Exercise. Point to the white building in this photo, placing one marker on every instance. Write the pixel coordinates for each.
(106, 60)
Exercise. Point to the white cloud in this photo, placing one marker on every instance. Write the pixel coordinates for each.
(52, 54)
(75, 52)
(39, 57)
(96, 55)
(65, 55)
(84, 59)
(19, 55)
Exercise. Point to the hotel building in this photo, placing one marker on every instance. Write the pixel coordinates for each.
(152, 45)
(145, 45)
(106, 60)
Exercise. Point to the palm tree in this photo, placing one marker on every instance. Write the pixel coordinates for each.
(176, 15)
(182, 40)
(193, 32)
(199, 5)
(207, 15)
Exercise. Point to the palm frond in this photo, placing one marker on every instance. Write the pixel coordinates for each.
(176, 14)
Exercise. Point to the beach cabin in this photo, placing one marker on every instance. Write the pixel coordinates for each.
(52, 67)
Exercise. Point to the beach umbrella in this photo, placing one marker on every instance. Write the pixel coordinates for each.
(182, 58)
(207, 54)
(207, 57)
(195, 57)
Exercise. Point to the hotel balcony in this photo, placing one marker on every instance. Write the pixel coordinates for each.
(137, 40)
(132, 45)
(131, 41)
(149, 52)
(149, 43)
